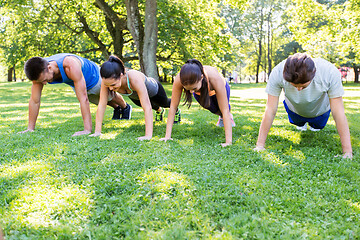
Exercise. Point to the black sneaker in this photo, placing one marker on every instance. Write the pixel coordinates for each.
(117, 113)
(159, 116)
(126, 112)
(177, 118)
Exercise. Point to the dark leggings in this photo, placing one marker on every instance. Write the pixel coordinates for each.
(157, 101)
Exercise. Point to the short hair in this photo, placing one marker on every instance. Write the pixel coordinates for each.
(112, 68)
(34, 67)
(299, 68)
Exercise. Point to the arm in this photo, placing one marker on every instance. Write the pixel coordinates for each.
(34, 105)
(338, 112)
(104, 92)
(175, 100)
(268, 118)
(137, 83)
(218, 84)
(72, 67)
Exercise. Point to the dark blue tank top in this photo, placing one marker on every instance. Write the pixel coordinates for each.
(89, 69)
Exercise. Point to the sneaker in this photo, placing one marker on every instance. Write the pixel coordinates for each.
(314, 129)
(232, 121)
(159, 116)
(220, 122)
(126, 112)
(303, 128)
(117, 113)
(177, 118)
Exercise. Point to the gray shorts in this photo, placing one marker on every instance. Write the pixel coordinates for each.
(94, 93)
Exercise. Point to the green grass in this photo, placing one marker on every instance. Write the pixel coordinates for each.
(53, 186)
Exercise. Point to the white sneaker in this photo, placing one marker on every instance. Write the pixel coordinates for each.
(314, 129)
(303, 128)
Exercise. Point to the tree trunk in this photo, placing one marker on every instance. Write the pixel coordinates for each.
(14, 73)
(145, 38)
(258, 61)
(269, 44)
(136, 29)
(150, 40)
(356, 72)
(10, 75)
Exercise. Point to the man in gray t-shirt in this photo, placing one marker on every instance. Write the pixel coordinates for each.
(312, 89)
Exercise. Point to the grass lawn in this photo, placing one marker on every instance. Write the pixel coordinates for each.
(54, 186)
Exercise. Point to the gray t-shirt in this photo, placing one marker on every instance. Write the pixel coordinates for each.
(313, 100)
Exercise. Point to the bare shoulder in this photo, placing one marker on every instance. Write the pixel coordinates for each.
(211, 70)
(71, 62)
(135, 75)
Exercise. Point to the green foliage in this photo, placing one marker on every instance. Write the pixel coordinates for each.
(53, 186)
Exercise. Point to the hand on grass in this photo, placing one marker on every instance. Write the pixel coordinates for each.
(27, 130)
(95, 134)
(259, 148)
(225, 144)
(165, 139)
(144, 138)
(81, 133)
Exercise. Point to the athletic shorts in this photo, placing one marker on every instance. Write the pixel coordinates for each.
(318, 122)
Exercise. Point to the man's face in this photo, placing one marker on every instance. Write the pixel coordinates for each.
(46, 76)
(301, 86)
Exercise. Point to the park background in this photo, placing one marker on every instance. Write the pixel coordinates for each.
(53, 186)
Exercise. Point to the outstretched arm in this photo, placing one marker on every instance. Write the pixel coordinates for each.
(175, 100)
(104, 92)
(338, 112)
(34, 105)
(137, 83)
(219, 86)
(268, 118)
(72, 68)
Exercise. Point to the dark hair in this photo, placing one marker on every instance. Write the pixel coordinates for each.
(299, 68)
(112, 68)
(34, 67)
(190, 73)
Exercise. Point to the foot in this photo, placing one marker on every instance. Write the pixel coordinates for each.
(303, 128)
(177, 118)
(159, 116)
(117, 113)
(126, 112)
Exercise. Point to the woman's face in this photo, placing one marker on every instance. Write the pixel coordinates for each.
(113, 84)
(194, 87)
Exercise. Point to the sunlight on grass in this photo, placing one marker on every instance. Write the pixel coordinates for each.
(355, 205)
(109, 135)
(273, 159)
(290, 135)
(11, 171)
(42, 205)
(186, 142)
(160, 184)
(297, 154)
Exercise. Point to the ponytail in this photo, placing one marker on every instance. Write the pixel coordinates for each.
(112, 68)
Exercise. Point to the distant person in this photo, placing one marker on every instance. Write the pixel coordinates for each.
(81, 74)
(144, 91)
(209, 88)
(313, 89)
